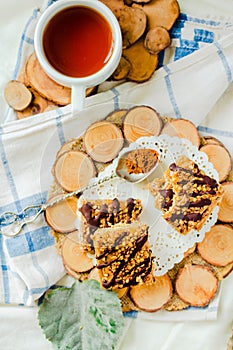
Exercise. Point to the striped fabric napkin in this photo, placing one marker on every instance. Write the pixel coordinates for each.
(194, 82)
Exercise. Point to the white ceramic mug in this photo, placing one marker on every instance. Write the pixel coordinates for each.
(78, 85)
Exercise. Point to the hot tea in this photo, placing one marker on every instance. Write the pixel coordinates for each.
(78, 41)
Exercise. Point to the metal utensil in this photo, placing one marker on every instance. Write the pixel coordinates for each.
(12, 223)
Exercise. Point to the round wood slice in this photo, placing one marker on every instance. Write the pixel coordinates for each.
(143, 63)
(17, 95)
(157, 39)
(50, 107)
(73, 254)
(160, 13)
(196, 284)
(44, 85)
(152, 297)
(73, 170)
(219, 156)
(182, 128)
(132, 22)
(217, 246)
(141, 121)
(226, 205)
(103, 141)
(62, 216)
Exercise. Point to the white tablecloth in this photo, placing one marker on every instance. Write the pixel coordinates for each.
(18, 327)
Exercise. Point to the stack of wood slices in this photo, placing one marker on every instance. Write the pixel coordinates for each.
(145, 29)
(35, 92)
(112, 231)
(145, 26)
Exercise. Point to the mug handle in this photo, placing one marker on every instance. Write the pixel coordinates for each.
(78, 94)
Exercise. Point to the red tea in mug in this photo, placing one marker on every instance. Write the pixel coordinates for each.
(78, 41)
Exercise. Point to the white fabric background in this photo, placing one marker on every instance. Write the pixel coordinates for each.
(18, 326)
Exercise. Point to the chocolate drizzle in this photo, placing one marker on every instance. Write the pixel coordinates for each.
(108, 214)
(130, 208)
(167, 195)
(129, 251)
(186, 195)
(201, 203)
(174, 167)
(206, 180)
(140, 269)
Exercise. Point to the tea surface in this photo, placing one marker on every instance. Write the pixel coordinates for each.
(77, 41)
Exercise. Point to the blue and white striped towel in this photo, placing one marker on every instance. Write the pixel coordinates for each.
(194, 82)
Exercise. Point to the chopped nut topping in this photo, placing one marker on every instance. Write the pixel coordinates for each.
(99, 214)
(186, 195)
(123, 254)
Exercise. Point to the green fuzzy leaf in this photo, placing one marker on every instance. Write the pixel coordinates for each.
(83, 317)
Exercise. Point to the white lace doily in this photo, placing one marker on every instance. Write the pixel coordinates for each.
(168, 246)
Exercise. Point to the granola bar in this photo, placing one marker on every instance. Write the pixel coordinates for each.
(106, 213)
(123, 255)
(186, 195)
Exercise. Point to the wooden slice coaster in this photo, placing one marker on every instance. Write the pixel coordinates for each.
(157, 39)
(152, 297)
(219, 156)
(223, 271)
(103, 141)
(62, 216)
(160, 12)
(132, 22)
(44, 85)
(226, 205)
(141, 121)
(196, 284)
(73, 170)
(73, 254)
(217, 246)
(182, 128)
(17, 95)
(143, 63)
